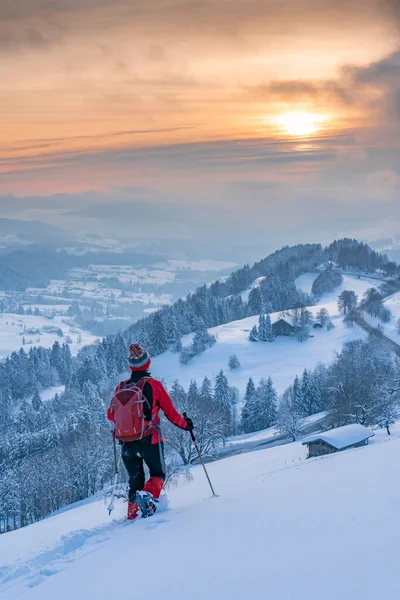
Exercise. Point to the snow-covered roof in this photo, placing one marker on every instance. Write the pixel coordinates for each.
(342, 437)
(284, 320)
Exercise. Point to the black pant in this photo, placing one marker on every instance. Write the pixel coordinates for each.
(133, 455)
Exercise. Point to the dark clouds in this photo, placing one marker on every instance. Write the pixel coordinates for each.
(221, 17)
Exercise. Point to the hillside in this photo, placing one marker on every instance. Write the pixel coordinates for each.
(390, 329)
(283, 527)
(281, 360)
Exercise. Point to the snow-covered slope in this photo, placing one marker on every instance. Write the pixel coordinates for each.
(281, 360)
(390, 329)
(283, 527)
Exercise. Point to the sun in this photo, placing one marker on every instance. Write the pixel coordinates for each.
(299, 124)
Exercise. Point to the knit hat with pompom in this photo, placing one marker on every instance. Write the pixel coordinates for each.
(139, 359)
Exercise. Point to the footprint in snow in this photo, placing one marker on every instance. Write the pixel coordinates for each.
(155, 524)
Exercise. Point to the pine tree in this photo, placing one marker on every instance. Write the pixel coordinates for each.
(56, 356)
(266, 404)
(5, 406)
(306, 404)
(259, 410)
(173, 335)
(222, 400)
(296, 395)
(206, 392)
(234, 363)
(202, 340)
(221, 390)
(193, 394)
(262, 329)
(248, 418)
(272, 400)
(253, 336)
(268, 327)
(143, 338)
(120, 353)
(248, 410)
(255, 305)
(158, 334)
(250, 389)
(37, 403)
(26, 417)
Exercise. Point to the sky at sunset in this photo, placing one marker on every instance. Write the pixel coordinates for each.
(277, 120)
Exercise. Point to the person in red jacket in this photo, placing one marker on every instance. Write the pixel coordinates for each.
(150, 448)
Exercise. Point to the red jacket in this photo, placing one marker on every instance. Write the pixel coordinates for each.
(160, 400)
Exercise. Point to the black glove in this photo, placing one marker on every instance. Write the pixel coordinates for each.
(189, 424)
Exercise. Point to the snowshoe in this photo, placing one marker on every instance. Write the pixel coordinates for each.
(147, 503)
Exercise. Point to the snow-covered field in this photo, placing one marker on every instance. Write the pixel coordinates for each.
(13, 328)
(282, 360)
(283, 527)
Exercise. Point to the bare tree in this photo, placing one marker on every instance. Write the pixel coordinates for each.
(289, 417)
(323, 316)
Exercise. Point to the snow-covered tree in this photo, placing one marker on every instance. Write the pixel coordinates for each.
(158, 335)
(255, 304)
(37, 403)
(372, 302)
(234, 362)
(265, 329)
(266, 403)
(250, 389)
(323, 316)
(253, 336)
(259, 410)
(347, 301)
(222, 400)
(289, 418)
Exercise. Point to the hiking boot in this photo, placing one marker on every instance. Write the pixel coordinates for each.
(133, 511)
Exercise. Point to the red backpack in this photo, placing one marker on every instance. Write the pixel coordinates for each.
(128, 407)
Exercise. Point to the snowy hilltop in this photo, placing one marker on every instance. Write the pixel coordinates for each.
(283, 359)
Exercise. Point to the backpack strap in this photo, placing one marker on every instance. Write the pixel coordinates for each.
(140, 384)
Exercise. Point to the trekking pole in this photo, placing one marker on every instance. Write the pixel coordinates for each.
(117, 463)
(201, 459)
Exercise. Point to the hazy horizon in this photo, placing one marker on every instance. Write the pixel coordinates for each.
(230, 124)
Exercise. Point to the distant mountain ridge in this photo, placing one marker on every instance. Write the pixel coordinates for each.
(15, 232)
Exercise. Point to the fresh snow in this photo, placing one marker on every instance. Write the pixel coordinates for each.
(305, 282)
(256, 283)
(283, 527)
(282, 360)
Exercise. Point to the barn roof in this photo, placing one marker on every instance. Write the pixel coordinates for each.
(342, 437)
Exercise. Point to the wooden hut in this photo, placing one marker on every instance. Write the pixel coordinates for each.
(336, 440)
(283, 327)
